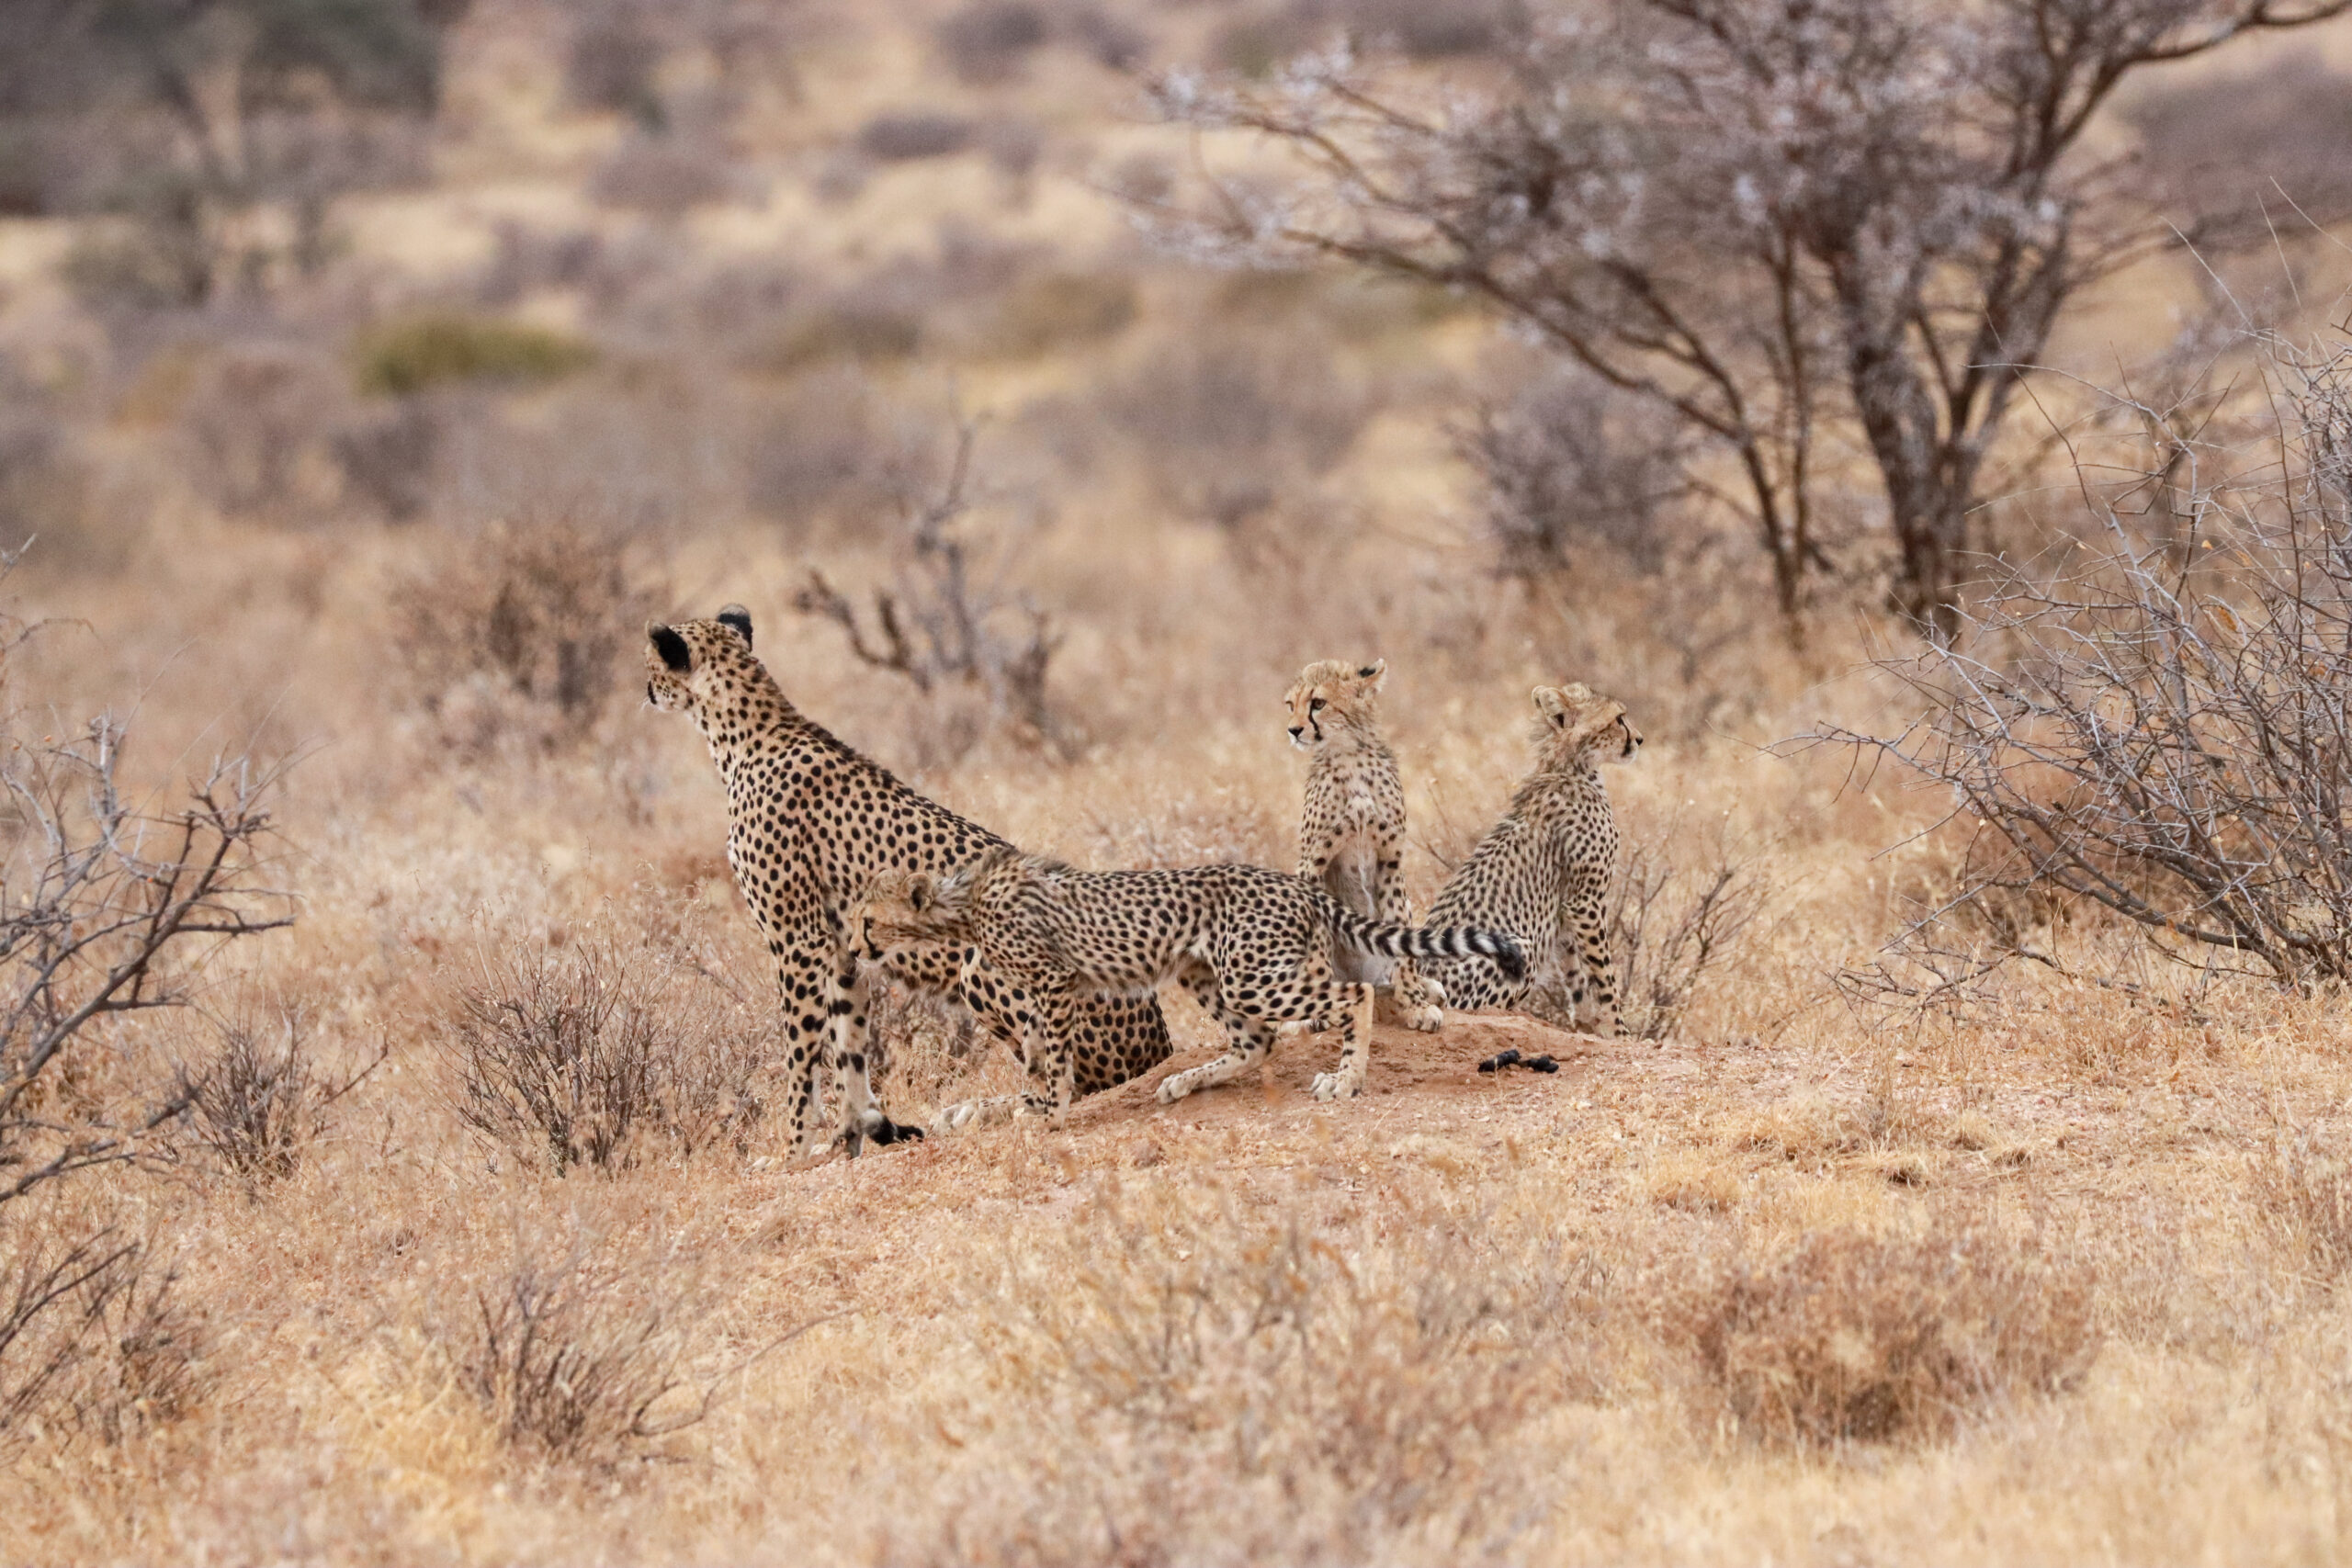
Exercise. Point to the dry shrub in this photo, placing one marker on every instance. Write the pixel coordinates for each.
(407, 358)
(388, 460)
(1227, 425)
(581, 1355)
(915, 135)
(1211, 1383)
(578, 1055)
(986, 40)
(257, 422)
(1671, 924)
(261, 1098)
(1859, 1338)
(1571, 464)
(521, 632)
(2305, 1193)
(93, 1341)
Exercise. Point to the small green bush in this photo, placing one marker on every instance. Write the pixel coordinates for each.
(430, 351)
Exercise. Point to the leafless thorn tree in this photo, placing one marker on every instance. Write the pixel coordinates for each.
(2162, 727)
(1774, 222)
(95, 898)
(941, 623)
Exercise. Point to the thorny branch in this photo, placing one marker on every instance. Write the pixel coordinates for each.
(95, 896)
(2160, 731)
(937, 623)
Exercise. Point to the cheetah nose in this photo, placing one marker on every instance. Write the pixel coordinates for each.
(1296, 730)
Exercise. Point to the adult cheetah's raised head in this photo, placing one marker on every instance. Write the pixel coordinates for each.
(704, 668)
(1576, 725)
(1333, 694)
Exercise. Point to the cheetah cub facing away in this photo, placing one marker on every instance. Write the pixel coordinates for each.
(1255, 946)
(1542, 872)
(1351, 836)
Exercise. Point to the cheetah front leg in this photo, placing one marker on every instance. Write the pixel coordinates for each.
(1595, 971)
(849, 1040)
(1353, 1002)
(1053, 1016)
(1417, 1001)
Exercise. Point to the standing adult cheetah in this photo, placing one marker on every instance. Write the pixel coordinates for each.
(811, 824)
(1542, 872)
(1351, 836)
(1255, 946)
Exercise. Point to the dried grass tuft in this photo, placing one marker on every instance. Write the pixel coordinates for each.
(1859, 1338)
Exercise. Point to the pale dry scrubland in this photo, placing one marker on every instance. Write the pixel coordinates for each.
(1785, 1285)
(1803, 1281)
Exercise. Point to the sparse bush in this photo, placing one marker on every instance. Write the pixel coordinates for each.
(2157, 727)
(260, 1099)
(1569, 464)
(913, 135)
(1199, 1356)
(256, 418)
(416, 356)
(943, 621)
(93, 1340)
(522, 630)
(612, 59)
(105, 910)
(1057, 310)
(581, 1356)
(1669, 924)
(986, 40)
(575, 1055)
(387, 460)
(1227, 425)
(1857, 1338)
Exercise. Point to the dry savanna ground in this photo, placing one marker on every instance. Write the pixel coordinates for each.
(472, 1234)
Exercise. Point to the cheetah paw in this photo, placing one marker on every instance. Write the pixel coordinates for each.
(1172, 1088)
(1337, 1086)
(1426, 1019)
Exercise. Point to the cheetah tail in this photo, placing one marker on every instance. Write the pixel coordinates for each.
(1430, 942)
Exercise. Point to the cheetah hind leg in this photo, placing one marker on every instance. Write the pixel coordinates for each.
(1417, 1002)
(1353, 1002)
(1252, 1037)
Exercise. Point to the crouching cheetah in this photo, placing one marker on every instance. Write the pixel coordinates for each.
(810, 823)
(1254, 945)
(1542, 872)
(1352, 837)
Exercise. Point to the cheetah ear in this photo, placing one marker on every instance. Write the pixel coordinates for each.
(670, 646)
(1548, 704)
(738, 617)
(921, 892)
(1376, 672)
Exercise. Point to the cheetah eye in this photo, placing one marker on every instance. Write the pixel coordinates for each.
(1314, 706)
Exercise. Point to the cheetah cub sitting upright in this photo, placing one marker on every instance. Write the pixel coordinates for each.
(1542, 872)
(1352, 837)
(1255, 946)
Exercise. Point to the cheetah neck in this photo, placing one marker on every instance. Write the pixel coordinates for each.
(1343, 744)
(1575, 776)
(755, 721)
